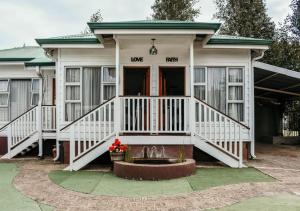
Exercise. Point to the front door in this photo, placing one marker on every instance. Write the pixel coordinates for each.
(171, 106)
(136, 104)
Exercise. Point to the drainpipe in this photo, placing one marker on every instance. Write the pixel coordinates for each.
(39, 112)
(252, 135)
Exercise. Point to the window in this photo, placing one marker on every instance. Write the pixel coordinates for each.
(236, 93)
(34, 92)
(73, 93)
(4, 100)
(108, 83)
(222, 88)
(86, 88)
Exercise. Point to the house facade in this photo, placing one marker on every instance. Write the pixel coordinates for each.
(155, 83)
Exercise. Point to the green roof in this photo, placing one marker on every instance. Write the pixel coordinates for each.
(237, 40)
(70, 39)
(26, 54)
(154, 24)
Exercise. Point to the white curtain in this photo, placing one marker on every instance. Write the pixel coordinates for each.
(73, 111)
(216, 87)
(20, 93)
(236, 111)
(91, 88)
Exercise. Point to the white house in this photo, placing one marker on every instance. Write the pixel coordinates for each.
(165, 83)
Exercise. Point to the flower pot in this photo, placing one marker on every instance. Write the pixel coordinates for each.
(117, 156)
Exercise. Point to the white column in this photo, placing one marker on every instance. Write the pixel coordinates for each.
(39, 115)
(117, 108)
(192, 104)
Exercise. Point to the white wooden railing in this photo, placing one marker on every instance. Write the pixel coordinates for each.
(49, 117)
(219, 129)
(154, 114)
(22, 127)
(92, 129)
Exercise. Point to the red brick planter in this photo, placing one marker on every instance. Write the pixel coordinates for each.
(154, 172)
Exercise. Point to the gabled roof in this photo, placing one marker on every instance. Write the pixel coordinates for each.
(26, 54)
(70, 39)
(154, 24)
(237, 40)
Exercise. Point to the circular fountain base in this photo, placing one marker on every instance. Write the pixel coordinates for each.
(154, 171)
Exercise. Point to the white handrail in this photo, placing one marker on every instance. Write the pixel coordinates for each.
(220, 130)
(92, 129)
(154, 114)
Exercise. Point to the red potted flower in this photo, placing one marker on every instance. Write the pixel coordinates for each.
(117, 151)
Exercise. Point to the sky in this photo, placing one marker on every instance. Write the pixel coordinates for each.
(21, 21)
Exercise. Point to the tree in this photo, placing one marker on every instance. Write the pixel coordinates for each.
(95, 18)
(245, 18)
(184, 10)
(294, 19)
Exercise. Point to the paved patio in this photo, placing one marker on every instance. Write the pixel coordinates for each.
(282, 163)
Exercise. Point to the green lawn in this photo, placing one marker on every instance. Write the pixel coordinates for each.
(271, 203)
(99, 183)
(10, 198)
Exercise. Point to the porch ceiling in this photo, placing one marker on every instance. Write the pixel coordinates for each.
(272, 82)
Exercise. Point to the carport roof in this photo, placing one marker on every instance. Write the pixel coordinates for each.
(272, 82)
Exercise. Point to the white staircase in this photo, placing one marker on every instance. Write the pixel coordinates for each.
(21, 133)
(219, 135)
(91, 135)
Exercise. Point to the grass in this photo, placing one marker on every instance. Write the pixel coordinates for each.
(286, 202)
(103, 183)
(10, 198)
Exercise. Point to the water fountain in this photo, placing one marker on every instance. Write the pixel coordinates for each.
(152, 163)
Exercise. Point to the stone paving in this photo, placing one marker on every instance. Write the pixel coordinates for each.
(280, 162)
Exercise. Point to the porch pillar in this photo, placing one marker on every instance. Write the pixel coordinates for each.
(192, 104)
(39, 115)
(117, 104)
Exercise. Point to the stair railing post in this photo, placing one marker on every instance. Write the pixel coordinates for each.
(39, 114)
(9, 139)
(72, 146)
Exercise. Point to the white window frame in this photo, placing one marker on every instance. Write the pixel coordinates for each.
(202, 83)
(6, 92)
(34, 92)
(105, 83)
(228, 84)
(72, 84)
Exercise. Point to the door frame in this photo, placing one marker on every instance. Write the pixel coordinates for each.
(148, 84)
(160, 81)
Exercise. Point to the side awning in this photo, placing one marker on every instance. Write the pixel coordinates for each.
(275, 83)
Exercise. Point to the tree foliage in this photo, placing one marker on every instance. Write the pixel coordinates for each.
(244, 18)
(184, 10)
(95, 18)
(294, 18)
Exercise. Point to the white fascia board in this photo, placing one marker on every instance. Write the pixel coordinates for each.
(11, 63)
(42, 68)
(152, 31)
(260, 47)
(53, 46)
(276, 69)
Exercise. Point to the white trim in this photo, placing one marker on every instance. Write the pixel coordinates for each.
(153, 31)
(262, 47)
(11, 63)
(72, 46)
(276, 69)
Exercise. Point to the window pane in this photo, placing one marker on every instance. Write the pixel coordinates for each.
(200, 92)
(216, 87)
(109, 91)
(72, 75)
(235, 75)
(35, 99)
(199, 76)
(3, 114)
(236, 111)
(35, 85)
(235, 93)
(3, 85)
(109, 74)
(4, 99)
(73, 93)
(73, 111)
